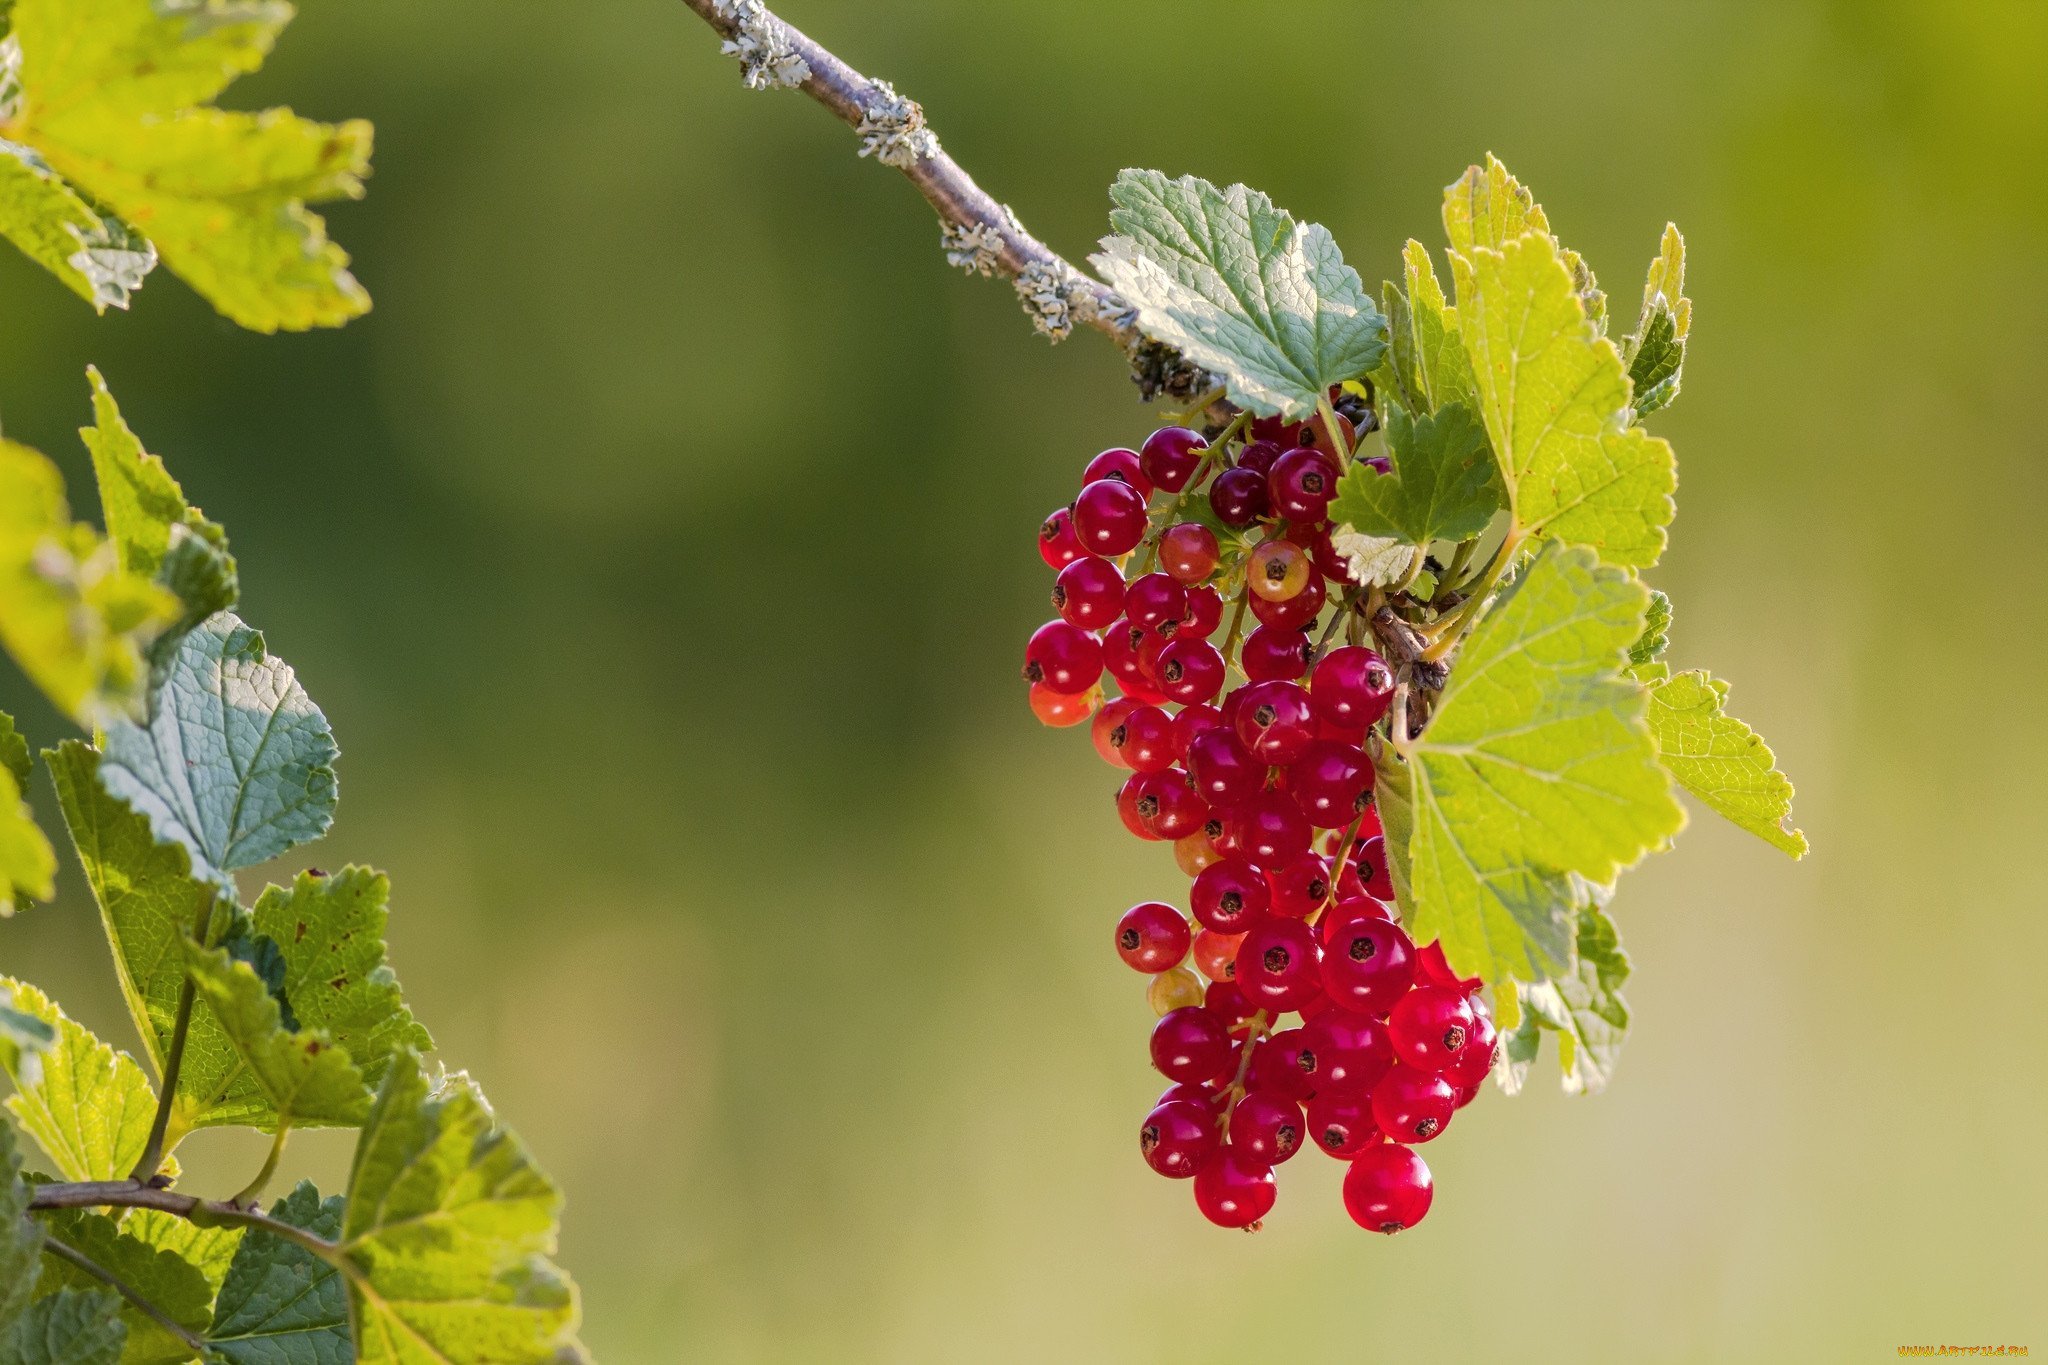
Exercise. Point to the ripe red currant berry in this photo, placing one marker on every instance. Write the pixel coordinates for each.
(1058, 546)
(1276, 1066)
(1103, 731)
(1121, 657)
(1474, 1061)
(1344, 1053)
(1266, 1126)
(1270, 829)
(1191, 1044)
(1205, 613)
(1224, 773)
(1368, 965)
(1387, 1189)
(1302, 484)
(1348, 908)
(1190, 671)
(1063, 656)
(1274, 722)
(1128, 802)
(1194, 719)
(1229, 896)
(1120, 464)
(1258, 456)
(1430, 1026)
(1171, 455)
(1206, 1097)
(1299, 886)
(1224, 1000)
(1177, 1139)
(1169, 806)
(1432, 967)
(1238, 497)
(1330, 781)
(1109, 518)
(1291, 613)
(1152, 937)
(1370, 859)
(1143, 740)
(1276, 965)
(1342, 1125)
(1467, 1093)
(1352, 686)
(1279, 570)
(1188, 551)
(1412, 1106)
(1089, 593)
(1061, 709)
(1270, 655)
(1234, 1190)
(1216, 954)
(1155, 602)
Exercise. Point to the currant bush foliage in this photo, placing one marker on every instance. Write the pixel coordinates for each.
(209, 757)
(1552, 738)
(112, 155)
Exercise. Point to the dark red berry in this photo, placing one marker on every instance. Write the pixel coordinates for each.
(1267, 1126)
(1191, 1044)
(1156, 602)
(1170, 456)
(1121, 464)
(1352, 686)
(1188, 551)
(1430, 1026)
(1270, 829)
(1370, 858)
(1431, 966)
(1276, 965)
(1299, 886)
(1143, 740)
(1190, 671)
(1169, 805)
(1177, 1139)
(1258, 457)
(1120, 655)
(1104, 730)
(1301, 484)
(1387, 1189)
(1238, 497)
(1193, 720)
(1153, 936)
(1058, 546)
(1201, 1096)
(1342, 1125)
(1343, 1053)
(1368, 965)
(1411, 1105)
(1276, 1066)
(1224, 773)
(1274, 722)
(1109, 518)
(1330, 780)
(1063, 656)
(1089, 593)
(1234, 1190)
(1270, 655)
(1229, 896)
(1474, 1061)
(1291, 613)
(1224, 1000)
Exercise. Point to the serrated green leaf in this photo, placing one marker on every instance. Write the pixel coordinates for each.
(90, 1107)
(236, 763)
(447, 1232)
(157, 1274)
(97, 256)
(208, 1250)
(69, 1327)
(331, 932)
(1554, 399)
(149, 901)
(308, 1080)
(28, 865)
(1488, 207)
(280, 1304)
(1716, 757)
(21, 1238)
(1536, 765)
(1656, 636)
(1443, 484)
(1377, 560)
(1241, 289)
(1656, 350)
(14, 756)
(73, 619)
(1442, 369)
(154, 531)
(1584, 1006)
(114, 96)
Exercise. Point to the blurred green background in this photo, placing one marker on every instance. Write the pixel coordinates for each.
(661, 549)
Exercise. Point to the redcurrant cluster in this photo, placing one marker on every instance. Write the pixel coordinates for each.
(1247, 782)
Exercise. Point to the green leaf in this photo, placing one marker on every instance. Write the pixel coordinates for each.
(1488, 207)
(1554, 399)
(281, 1304)
(236, 764)
(1716, 757)
(1443, 485)
(155, 533)
(1656, 636)
(447, 1233)
(74, 621)
(28, 865)
(23, 1040)
(21, 1238)
(306, 1078)
(96, 255)
(149, 901)
(1241, 289)
(69, 1327)
(91, 1107)
(208, 1250)
(158, 1274)
(1427, 354)
(14, 753)
(331, 932)
(1583, 1006)
(115, 98)
(1656, 351)
(1536, 765)
(1373, 559)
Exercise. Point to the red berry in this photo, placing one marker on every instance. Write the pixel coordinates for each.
(1205, 613)
(1387, 1189)
(1118, 463)
(1229, 896)
(1089, 593)
(1276, 965)
(1201, 1096)
(1278, 571)
(1188, 551)
(1302, 483)
(1121, 657)
(1368, 965)
(1352, 686)
(1238, 497)
(1170, 456)
(1266, 1127)
(1270, 829)
(1169, 806)
(1234, 1190)
(1342, 1125)
(1224, 773)
(1143, 739)
(1270, 655)
(1330, 781)
(1274, 722)
(1224, 1000)
(1216, 954)
(1103, 732)
(1156, 602)
(1061, 709)
(1276, 1066)
(1412, 1106)
(1063, 656)
(1342, 1053)
(1474, 1061)
(1109, 518)
(1190, 671)
(1152, 936)
(1290, 613)
(1370, 858)
(1299, 886)
(1058, 546)
(1431, 966)
(1430, 1026)
(1177, 1139)
(1127, 798)
(1191, 1044)
(1193, 720)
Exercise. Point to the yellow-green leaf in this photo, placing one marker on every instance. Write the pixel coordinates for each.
(88, 1106)
(1718, 758)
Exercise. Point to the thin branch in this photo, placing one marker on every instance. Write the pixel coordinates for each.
(65, 1252)
(128, 1194)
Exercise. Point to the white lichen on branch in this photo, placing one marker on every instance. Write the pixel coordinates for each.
(892, 128)
(1056, 297)
(977, 248)
(767, 57)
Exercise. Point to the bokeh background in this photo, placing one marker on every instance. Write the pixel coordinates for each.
(661, 549)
